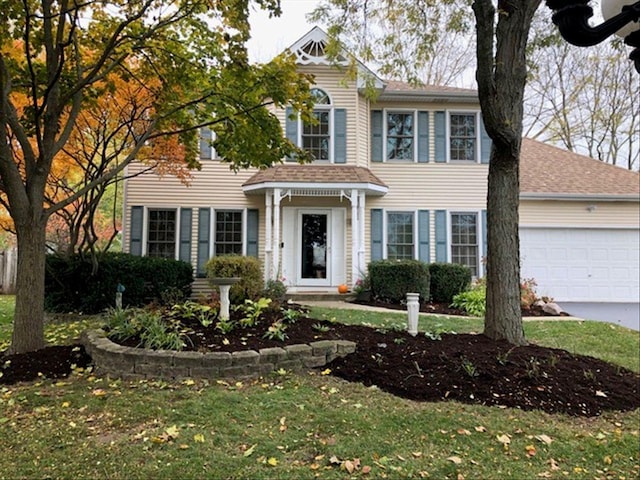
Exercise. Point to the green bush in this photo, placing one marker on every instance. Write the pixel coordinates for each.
(390, 280)
(72, 285)
(154, 331)
(448, 280)
(247, 269)
(472, 301)
(275, 290)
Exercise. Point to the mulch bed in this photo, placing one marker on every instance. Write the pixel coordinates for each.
(463, 367)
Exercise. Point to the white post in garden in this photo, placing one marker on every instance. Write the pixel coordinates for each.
(224, 301)
(412, 313)
(224, 283)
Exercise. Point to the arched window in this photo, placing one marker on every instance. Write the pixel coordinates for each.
(316, 137)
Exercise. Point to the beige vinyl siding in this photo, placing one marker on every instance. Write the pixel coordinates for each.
(431, 185)
(554, 213)
(363, 138)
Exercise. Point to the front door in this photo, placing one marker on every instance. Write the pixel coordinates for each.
(313, 247)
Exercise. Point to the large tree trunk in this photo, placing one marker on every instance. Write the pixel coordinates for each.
(28, 331)
(503, 318)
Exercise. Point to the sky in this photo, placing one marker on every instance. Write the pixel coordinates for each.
(272, 36)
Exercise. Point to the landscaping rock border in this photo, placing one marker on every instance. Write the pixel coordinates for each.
(129, 363)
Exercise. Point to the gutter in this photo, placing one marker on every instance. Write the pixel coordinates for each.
(580, 197)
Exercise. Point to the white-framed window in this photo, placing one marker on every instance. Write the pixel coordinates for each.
(464, 136)
(316, 138)
(228, 232)
(465, 240)
(162, 232)
(400, 131)
(400, 240)
(207, 136)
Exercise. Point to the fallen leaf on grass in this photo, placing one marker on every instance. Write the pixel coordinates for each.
(546, 439)
(463, 431)
(504, 439)
(249, 451)
(600, 393)
(172, 432)
(416, 454)
(98, 392)
(531, 450)
(326, 371)
(554, 464)
(480, 429)
(272, 461)
(454, 459)
(198, 437)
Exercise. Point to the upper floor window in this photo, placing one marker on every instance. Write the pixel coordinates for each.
(316, 137)
(161, 233)
(463, 137)
(207, 136)
(325, 139)
(400, 236)
(400, 136)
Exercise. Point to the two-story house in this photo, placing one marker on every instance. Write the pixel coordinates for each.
(401, 177)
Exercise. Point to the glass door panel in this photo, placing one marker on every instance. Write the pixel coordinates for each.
(314, 246)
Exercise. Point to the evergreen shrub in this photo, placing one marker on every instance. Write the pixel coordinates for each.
(448, 280)
(391, 280)
(72, 284)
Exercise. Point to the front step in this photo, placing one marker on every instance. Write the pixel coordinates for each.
(300, 297)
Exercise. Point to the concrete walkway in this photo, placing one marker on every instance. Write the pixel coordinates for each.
(356, 306)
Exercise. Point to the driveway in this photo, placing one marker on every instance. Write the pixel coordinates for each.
(624, 314)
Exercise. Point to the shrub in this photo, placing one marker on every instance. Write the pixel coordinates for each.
(275, 290)
(71, 284)
(448, 280)
(472, 301)
(390, 280)
(247, 269)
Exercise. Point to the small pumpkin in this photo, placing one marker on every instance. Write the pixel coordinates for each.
(343, 288)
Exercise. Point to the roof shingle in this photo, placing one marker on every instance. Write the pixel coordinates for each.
(545, 169)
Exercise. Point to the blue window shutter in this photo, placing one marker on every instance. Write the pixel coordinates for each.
(376, 135)
(186, 217)
(441, 236)
(424, 253)
(485, 143)
(135, 231)
(376, 234)
(339, 135)
(423, 137)
(205, 144)
(291, 129)
(484, 237)
(440, 127)
(252, 232)
(204, 227)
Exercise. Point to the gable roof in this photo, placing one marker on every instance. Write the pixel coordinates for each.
(310, 50)
(550, 172)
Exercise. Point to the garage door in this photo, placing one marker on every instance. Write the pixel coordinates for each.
(596, 265)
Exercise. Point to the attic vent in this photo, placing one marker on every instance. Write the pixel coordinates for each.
(312, 50)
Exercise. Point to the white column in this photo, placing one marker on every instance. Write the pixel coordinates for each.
(355, 237)
(413, 308)
(276, 231)
(268, 241)
(361, 247)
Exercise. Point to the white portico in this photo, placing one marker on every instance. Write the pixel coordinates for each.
(310, 212)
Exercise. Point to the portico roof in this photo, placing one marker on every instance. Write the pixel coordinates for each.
(325, 177)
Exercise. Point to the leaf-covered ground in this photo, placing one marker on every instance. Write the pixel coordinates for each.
(429, 367)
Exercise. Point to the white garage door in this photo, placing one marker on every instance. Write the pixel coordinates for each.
(595, 265)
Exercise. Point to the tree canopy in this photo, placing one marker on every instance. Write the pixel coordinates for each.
(86, 88)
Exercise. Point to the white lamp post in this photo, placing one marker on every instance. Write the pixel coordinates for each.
(622, 17)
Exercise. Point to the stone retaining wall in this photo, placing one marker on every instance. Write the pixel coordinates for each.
(131, 363)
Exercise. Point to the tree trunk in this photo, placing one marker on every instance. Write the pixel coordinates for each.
(28, 320)
(503, 317)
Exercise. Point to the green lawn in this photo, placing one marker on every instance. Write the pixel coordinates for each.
(310, 425)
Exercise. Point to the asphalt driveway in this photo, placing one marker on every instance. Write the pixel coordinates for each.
(624, 314)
